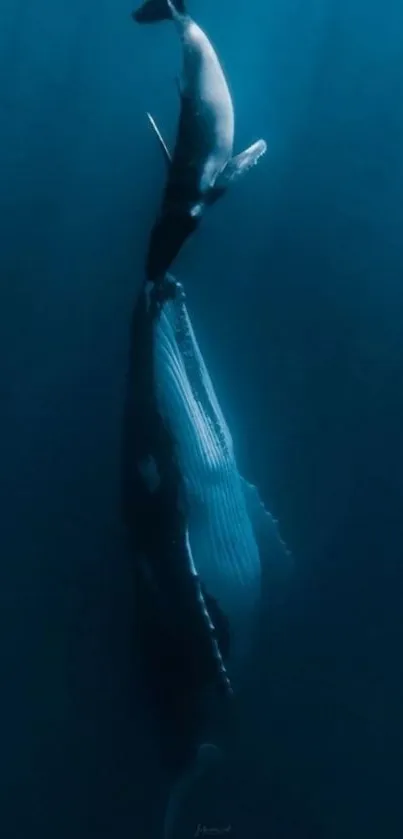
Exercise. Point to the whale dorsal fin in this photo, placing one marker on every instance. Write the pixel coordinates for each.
(164, 147)
(239, 165)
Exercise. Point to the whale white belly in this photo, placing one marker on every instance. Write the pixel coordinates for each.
(204, 82)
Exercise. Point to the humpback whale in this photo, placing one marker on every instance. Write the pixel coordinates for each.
(202, 165)
(196, 528)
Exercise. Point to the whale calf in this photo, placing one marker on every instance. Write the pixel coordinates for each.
(202, 165)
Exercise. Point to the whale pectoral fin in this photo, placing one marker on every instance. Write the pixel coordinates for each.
(221, 624)
(202, 621)
(164, 147)
(239, 166)
(211, 636)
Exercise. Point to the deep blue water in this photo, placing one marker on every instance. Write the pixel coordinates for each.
(294, 283)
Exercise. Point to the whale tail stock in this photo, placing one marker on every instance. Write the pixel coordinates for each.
(153, 11)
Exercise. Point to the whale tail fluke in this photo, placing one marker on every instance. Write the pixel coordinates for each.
(153, 11)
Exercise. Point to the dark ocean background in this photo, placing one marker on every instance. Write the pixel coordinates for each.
(294, 284)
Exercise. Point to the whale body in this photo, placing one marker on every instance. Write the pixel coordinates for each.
(197, 528)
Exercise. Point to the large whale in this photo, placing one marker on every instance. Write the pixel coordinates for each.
(199, 533)
(202, 165)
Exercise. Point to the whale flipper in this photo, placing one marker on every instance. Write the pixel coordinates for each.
(164, 147)
(239, 165)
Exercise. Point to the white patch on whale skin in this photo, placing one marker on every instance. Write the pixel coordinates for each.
(196, 210)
